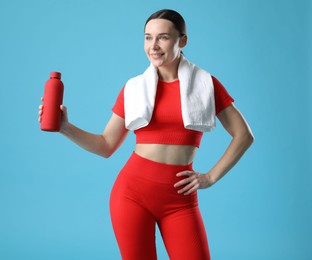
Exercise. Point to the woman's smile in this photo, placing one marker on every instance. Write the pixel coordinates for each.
(156, 55)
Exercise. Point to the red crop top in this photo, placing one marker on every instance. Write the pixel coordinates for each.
(166, 125)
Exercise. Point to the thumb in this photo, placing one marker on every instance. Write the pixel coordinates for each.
(63, 108)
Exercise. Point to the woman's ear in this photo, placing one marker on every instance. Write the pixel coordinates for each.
(183, 41)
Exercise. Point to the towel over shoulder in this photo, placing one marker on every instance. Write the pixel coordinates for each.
(197, 98)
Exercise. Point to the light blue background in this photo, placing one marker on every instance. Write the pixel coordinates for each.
(54, 196)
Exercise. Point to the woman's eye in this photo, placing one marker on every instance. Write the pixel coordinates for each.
(163, 38)
(148, 38)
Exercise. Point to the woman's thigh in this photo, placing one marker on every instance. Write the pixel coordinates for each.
(184, 235)
(134, 228)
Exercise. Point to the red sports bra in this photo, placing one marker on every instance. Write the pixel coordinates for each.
(166, 125)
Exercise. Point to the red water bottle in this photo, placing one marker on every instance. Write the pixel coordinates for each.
(52, 99)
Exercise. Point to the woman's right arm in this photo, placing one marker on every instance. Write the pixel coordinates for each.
(104, 144)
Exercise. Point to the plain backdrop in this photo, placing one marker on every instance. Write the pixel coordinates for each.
(54, 196)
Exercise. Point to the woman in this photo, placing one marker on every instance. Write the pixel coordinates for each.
(158, 183)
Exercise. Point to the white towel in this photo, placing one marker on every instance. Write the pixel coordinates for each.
(197, 98)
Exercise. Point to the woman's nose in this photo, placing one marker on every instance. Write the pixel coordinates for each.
(155, 45)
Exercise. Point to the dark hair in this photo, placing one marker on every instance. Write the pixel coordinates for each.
(171, 16)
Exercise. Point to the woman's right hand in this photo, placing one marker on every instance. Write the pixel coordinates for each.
(64, 115)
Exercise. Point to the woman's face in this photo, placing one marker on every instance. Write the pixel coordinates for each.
(162, 42)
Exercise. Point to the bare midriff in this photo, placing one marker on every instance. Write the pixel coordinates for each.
(168, 154)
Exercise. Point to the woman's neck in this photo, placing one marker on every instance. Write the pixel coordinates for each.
(169, 72)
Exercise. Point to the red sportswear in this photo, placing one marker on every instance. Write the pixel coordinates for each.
(166, 125)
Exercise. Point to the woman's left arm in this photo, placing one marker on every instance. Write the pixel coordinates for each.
(242, 137)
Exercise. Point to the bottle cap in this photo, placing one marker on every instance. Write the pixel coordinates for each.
(55, 75)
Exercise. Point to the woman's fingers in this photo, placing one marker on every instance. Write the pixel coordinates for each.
(189, 184)
(40, 111)
(188, 189)
(186, 180)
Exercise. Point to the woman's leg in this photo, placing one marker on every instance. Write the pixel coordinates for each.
(184, 235)
(133, 224)
(134, 229)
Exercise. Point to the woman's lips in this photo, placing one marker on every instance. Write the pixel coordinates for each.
(156, 55)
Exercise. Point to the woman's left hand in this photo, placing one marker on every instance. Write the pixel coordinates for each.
(192, 182)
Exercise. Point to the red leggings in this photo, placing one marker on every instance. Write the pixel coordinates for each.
(142, 196)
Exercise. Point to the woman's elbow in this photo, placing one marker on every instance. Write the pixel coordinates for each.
(106, 153)
(245, 138)
(249, 138)
(106, 149)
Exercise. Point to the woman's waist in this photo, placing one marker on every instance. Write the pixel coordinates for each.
(161, 135)
(167, 153)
